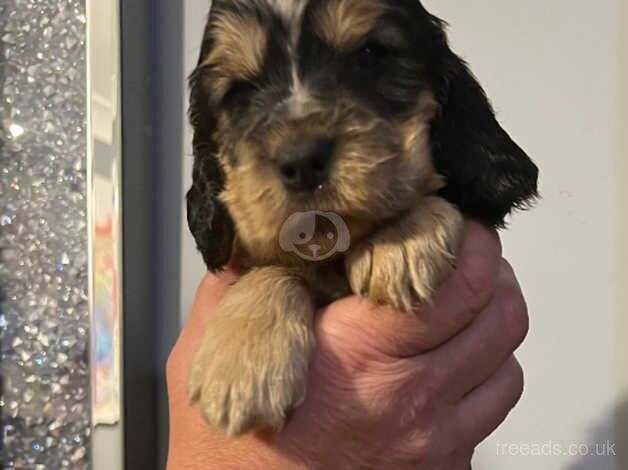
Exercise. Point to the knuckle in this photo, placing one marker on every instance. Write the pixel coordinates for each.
(417, 445)
(173, 367)
(419, 401)
(478, 281)
(416, 408)
(507, 268)
(517, 381)
(430, 381)
(515, 316)
(429, 446)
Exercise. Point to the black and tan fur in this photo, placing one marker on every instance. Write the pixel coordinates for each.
(415, 144)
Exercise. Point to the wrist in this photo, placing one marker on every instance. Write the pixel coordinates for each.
(216, 451)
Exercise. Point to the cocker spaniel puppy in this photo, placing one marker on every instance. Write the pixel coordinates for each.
(336, 144)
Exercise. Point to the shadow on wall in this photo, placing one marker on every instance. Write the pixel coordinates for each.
(606, 449)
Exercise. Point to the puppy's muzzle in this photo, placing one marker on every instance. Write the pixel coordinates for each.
(304, 165)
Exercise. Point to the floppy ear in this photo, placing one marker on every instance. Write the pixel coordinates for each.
(208, 218)
(487, 173)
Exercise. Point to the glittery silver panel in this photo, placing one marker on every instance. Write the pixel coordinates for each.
(44, 399)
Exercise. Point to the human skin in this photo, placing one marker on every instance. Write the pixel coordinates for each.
(386, 389)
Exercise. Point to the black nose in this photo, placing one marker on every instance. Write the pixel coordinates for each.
(304, 165)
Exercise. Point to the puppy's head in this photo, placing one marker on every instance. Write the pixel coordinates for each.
(354, 107)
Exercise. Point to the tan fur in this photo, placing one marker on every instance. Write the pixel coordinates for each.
(344, 24)
(416, 145)
(239, 50)
(404, 262)
(381, 168)
(252, 365)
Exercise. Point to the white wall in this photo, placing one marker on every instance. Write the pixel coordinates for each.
(552, 68)
(193, 269)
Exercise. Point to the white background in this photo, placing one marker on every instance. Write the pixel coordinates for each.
(554, 70)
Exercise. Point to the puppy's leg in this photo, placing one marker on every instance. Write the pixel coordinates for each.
(405, 262)
(252, 364)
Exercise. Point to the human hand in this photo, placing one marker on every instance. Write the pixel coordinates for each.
(386, 390)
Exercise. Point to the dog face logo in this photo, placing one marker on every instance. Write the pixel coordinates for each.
(314, 235)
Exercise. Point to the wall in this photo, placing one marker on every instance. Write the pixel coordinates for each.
(195, 15)
(621, 327)
(552, 69)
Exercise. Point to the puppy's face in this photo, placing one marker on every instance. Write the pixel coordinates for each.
(320, 105)
(328, 105)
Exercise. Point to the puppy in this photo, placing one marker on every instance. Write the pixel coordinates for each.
(336, 144)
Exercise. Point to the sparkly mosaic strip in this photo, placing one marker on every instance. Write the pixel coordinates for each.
(44, 324)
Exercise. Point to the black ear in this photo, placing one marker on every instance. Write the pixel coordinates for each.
(487, 173)
(208, 218)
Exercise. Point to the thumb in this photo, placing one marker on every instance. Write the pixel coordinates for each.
(358, 324)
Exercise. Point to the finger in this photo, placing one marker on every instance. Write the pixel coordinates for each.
(468, 290)
(476, 353)
(455, 304)
(485, 408)
(209, 293)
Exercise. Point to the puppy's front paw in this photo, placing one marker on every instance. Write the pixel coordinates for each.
(241, 386)
(251, 368)
(404, 263)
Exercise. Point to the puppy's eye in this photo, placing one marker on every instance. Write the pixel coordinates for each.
(371, 55)
(238, 94)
